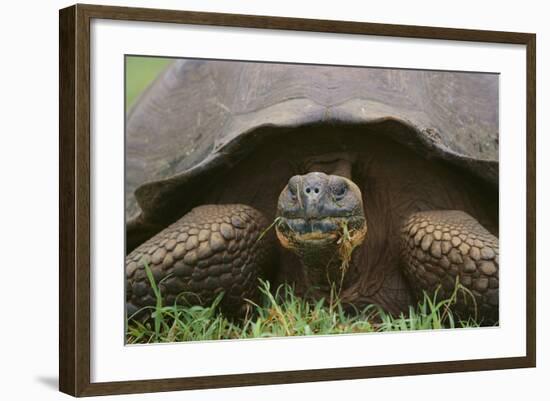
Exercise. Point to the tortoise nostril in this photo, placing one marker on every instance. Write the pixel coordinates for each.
(309, 190)
(313, 185)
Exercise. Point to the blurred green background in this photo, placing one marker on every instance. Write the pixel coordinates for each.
(140, 72)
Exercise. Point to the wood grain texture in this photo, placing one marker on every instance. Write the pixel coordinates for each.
(531, 228)
(301, 24)
(67, 295)
(74, 297)
(75, 195)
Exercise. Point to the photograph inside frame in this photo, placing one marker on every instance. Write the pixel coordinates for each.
(274, 199)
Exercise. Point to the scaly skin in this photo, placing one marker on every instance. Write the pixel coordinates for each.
(440, 246)
(211, 249)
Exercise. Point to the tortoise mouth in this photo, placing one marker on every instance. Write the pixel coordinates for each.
(297, 232)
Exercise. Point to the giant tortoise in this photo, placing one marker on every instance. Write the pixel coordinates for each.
(382, 182)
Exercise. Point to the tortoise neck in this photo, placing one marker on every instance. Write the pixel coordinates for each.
(323, 268)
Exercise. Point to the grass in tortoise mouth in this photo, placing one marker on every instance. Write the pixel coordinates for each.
(264, 232)
(346, 240)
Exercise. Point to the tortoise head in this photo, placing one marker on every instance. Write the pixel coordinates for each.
(320, 217)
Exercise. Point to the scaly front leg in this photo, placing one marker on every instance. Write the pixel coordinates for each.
(211, 249)
(437, 247)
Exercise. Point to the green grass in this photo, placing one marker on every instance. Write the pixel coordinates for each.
(282, 313)
(140, 72)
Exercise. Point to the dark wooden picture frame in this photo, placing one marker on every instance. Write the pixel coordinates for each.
(74, 117)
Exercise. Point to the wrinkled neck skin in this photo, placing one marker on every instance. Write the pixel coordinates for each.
(322, 266)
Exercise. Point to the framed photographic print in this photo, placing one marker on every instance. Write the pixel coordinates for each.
(277, 200)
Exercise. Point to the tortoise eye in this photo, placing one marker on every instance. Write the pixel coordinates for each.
(340, 191)
(292, 192)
